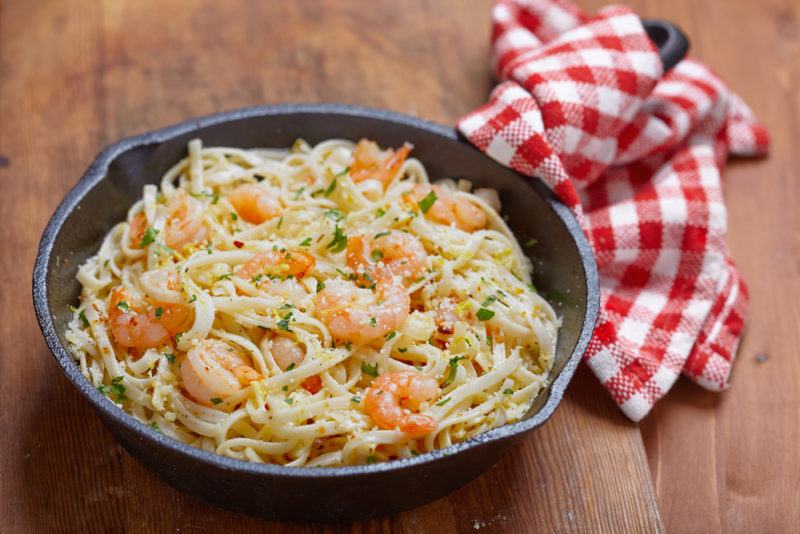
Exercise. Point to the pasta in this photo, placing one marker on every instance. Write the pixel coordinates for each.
(314, 306)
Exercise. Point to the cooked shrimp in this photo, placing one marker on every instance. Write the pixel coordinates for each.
(275, 263)
(391, 253)
(361, 315)
(392, 399)
(135, 325)
(450, 209)
(184, 225)
(286, 352)
(254, 204)
(214, 370)
(369, 163)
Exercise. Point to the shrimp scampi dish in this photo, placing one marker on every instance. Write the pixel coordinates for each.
(319, 305)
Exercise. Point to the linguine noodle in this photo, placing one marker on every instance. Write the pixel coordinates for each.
(472, 322)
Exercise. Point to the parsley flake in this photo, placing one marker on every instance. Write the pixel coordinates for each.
(484, 314)
(443, 402)
(426, 203)
(320, 285)
(371, 370)
(170, 358)
(84, 320)
(339, 241)
(331, 188)
(390, 335)
(283, 324)
(290, 367)
(356, 399)
(159, 311)
(489, 300)
(306, 242)
(124, 306)
(148, 237)
(381, 234)
(216, 400)
(508, 391)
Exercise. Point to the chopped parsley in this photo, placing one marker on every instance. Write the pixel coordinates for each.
(339, 241)
(508, 391)
(331, 188)
(484, 314)
(305, 242)
(124, 306)
(226, 276)
(299, 192)
(170, 358)
(148, 237)
(376, 255)
(453, 364)
(290, 367)
(356, 399)
(234, 216)
(379, 213)
(283, 324)
(402, 350)
(192, 299)
(381, 234)
(373, 322)
(216, 400)
(414, 452)
(426, 203)
(159, 311)
(116, 388)
(371, 459)
(390, 335)
(289, 400)
(320, 285)
(280, 222)
(443, 402)
(84, 320)
(371, 370)
(154, 426)
(178, 337)
(489, 300)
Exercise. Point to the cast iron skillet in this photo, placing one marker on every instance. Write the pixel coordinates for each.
(564, 271)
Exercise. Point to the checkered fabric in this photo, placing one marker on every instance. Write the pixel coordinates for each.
(636, 154)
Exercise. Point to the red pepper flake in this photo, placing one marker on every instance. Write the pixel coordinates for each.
(238, 244)
(312, 384)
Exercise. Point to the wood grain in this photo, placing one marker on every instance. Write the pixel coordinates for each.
(77, 75)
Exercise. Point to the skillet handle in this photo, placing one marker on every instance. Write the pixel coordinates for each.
(670, 40)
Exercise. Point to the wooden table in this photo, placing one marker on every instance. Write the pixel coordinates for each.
(76, 75)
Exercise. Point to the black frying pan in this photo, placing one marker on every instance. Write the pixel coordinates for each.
(564, 271)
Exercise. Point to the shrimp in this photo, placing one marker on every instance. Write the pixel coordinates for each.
(392, 398)
(288, 354)
(450, 209)
(393, 253)
(254, 204)
(368, 163)
(213, 370)
(135, 325)
(361, 315)
(275, 263)
(184, 224)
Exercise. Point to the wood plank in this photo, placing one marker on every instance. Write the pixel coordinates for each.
(79, 75)
(727, 462)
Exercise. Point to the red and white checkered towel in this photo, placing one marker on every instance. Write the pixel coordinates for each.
(636, 154)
